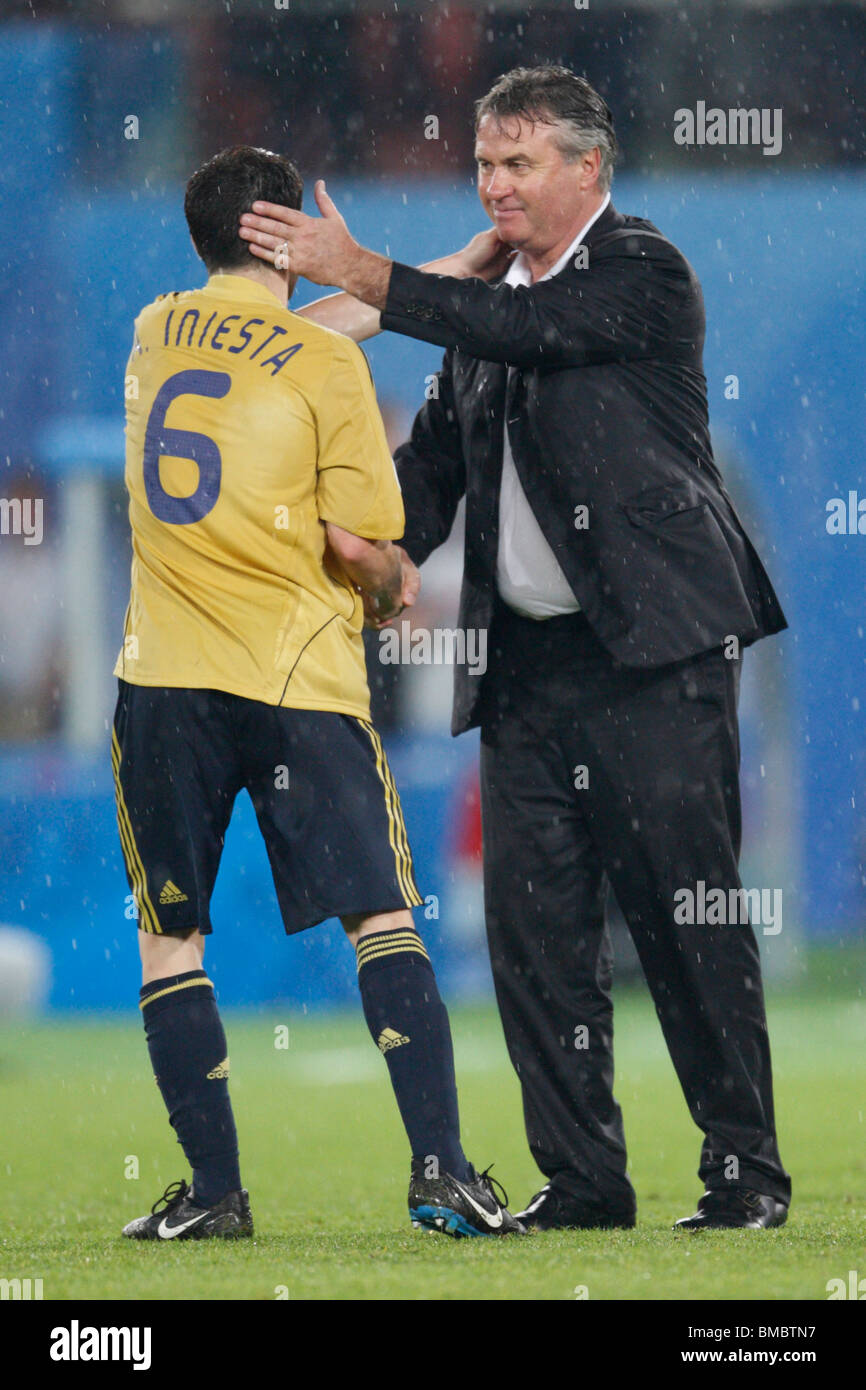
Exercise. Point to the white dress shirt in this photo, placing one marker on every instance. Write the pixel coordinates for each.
(528, 574)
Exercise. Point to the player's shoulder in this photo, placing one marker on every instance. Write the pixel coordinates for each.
(156, 309)
(340, 347)
(346, 358)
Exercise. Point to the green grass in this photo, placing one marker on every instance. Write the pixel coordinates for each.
(325, 1160)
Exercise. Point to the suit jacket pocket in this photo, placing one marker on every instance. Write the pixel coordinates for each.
(683, 575)
(658, 506)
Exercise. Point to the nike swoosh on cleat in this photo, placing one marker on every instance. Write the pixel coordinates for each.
(166, 1232)
(494, 1221)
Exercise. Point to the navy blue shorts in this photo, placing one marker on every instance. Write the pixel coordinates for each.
(320, 784)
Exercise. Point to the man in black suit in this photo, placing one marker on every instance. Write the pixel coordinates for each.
(618, 586)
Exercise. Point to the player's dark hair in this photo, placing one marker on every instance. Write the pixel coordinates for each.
(554, 95)
(227, 186)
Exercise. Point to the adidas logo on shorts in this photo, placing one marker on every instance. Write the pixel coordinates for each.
(172, 894)
(221, 1072)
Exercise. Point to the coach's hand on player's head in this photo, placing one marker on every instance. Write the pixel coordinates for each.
(319, 248)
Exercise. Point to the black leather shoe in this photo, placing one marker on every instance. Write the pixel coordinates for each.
(734, 1208)
(550, 1210)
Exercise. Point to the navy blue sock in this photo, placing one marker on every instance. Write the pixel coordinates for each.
(409, 1024)
(188, 1053)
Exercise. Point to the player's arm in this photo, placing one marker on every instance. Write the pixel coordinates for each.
(357, 492)
(345, 314)
(380, 570)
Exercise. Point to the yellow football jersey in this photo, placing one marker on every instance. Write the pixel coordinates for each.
(247, 428)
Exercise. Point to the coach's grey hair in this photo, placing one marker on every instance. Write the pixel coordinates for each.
(555, 96)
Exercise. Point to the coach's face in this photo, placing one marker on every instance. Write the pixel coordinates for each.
(535, 198)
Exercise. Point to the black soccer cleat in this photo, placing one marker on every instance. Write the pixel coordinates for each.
(551, 1210)
(469, 1208)
(734, 1208)
(181, 1219)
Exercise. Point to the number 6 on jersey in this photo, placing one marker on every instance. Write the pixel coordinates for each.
(160, 440)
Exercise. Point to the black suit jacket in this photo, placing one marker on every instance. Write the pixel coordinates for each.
(608, 423)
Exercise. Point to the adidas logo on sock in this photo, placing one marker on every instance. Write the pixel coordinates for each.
(172, 894)
(221, 1072)
(389, 1038)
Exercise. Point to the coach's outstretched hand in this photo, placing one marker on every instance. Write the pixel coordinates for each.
(323, 250)
(319, 248)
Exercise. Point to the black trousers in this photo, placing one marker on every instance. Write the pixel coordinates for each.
(590, 768)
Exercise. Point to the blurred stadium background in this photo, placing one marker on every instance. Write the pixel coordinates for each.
(106, 108)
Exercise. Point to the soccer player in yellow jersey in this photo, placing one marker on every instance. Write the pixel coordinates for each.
(264, 505)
